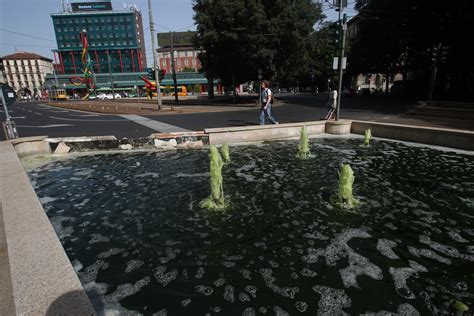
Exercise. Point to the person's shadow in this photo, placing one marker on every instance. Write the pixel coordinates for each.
(72, 303)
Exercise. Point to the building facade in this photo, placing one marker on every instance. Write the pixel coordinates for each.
(114, 34)
(26, 72)
(184, 52)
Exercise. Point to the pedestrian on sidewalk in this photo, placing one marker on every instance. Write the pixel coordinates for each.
(266, 101)
(332, 102)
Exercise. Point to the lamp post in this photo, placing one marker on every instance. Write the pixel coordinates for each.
(175, 83)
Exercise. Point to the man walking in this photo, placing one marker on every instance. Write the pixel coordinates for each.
(332, 102)
(266, 101)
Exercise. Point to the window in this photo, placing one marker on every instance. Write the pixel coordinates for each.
(185, 62)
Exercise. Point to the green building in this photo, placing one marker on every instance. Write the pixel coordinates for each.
(117, 34)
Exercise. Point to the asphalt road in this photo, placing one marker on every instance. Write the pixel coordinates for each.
(33, 119)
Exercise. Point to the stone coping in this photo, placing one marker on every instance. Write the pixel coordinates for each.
(260, 127)
(17, 141)
(452, 138)
(340, 122)
(43, 281)
(438, 129)
(79, 139)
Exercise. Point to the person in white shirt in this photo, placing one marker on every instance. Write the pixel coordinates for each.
(266, 101)
(332, 104)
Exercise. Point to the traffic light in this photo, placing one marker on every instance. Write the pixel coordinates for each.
(337, 34)
(439, 53)
(161, 74)
(150, 73)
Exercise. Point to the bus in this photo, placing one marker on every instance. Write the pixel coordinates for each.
(58, 95)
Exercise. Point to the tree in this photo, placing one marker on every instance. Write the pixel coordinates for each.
(239, 37)
(400, 35)
(188, 69)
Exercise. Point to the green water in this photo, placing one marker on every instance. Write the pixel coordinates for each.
(133, 229)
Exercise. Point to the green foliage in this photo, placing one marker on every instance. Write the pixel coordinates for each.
(400, 36)
(225, 153)
(303, 146)
(216, 200)
(367, 136)
(344, 197)
(238, 37)
(188, 69)
(197, 88)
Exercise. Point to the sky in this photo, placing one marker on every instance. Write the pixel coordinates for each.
(32, 17)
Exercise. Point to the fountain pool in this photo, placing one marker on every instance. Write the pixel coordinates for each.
(140, 243)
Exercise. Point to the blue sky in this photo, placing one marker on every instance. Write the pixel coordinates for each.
(33, 17)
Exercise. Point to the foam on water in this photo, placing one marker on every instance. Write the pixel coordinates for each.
(126, 290)
(132, 265)
(332, 300)
(427, 253)
(110, 252)
(385, 247)
(229, 293)
(204, 290)
(400, 276)
(164, 278)
(447, 250)
(47, 199)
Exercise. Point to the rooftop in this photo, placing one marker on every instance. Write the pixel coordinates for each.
(64, 14)
(24, 55)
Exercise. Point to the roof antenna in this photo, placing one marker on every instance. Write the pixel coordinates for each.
(62, 4)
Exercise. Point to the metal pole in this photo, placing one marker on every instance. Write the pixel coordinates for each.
(173, 69)
(9, 125)
(110, 75)
(156, 61)
(7, 115)
(340, 62)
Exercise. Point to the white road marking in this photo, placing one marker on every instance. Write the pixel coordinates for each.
(79, 120)
(17, 117)
(46, 126)
(155, 125)
(84, 115)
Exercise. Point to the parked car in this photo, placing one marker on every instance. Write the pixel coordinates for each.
(102, 96)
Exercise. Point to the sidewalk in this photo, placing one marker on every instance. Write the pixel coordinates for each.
(185, 105)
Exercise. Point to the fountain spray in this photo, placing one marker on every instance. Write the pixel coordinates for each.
(367, 136)
(225, 153)
(216, 200)
(344, 193)
(303, 146)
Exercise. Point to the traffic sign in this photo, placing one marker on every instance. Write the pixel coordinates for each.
(8, 93)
